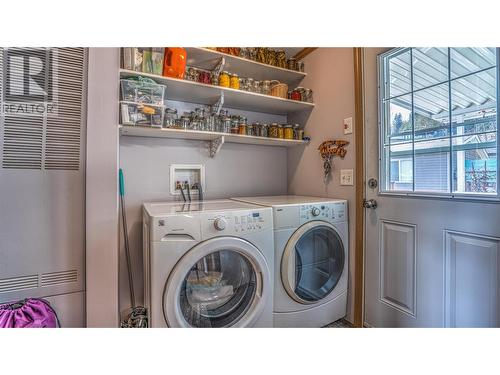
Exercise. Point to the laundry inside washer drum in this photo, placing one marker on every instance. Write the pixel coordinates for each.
(218, 290)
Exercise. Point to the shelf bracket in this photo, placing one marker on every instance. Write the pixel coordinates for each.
(218, 105)
(219, 67)
(215, 145)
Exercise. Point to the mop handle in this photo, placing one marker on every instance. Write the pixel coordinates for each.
(125, 236)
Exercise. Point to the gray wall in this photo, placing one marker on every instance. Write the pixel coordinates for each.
(330, 74)
(236, 170)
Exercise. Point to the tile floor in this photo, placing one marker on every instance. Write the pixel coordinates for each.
(341, 323)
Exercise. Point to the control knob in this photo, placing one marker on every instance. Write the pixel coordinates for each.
(315, 211)
(220, 223)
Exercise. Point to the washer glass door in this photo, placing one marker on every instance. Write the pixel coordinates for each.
(218, 289)
(312, 262)
(221, 282)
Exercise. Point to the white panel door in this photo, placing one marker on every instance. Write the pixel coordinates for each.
(429, 262)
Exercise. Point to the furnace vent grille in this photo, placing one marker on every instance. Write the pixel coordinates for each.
(18, 283)
(51, 142)
(63, 277)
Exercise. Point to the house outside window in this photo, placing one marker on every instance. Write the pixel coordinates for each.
(438, 120)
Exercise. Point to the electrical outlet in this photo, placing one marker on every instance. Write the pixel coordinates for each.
(346, 177)
(348, 125)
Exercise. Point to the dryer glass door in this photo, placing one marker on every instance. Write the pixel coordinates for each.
(218, 283)
(312, 262)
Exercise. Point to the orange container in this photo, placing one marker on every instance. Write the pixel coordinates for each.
(174, 63)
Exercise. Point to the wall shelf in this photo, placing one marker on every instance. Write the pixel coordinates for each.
(200, 93)
(216, 139)
(208, 59)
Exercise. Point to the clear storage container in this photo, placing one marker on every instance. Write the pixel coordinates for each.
(141, 114)
(142, 92)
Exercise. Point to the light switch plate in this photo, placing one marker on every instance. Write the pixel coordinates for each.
(348, 125)
(346, 177)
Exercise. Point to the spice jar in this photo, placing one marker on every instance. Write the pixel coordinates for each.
(264, 130)
(235, 124)
(242, 128)
(281, 131)
(226, 124)
(234, 82)
(265, 87)
(257, 129)
(224, 79)
(256, 86)
(249, 84)
(251, 129)
(273, 131)
(185, 121)
(288, 131)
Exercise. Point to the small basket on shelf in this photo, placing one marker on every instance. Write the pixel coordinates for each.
(279, 89)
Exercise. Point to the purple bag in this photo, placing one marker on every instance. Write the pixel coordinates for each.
(28, 313)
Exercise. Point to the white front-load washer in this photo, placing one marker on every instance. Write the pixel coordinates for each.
(208, 264)
(311, 259)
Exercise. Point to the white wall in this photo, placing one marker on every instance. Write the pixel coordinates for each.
(330, 74)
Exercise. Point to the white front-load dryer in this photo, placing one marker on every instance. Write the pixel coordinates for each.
(311, 259)
(208, 264)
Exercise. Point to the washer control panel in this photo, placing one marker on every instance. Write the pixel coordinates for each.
(237, 222)
(333, 212)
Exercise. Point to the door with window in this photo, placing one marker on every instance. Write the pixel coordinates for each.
(432, 239)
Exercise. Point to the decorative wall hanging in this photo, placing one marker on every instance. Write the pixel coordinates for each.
(328, 150)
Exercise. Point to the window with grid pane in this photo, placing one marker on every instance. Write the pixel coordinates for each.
(438, 111)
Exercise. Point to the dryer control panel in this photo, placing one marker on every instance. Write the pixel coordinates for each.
(236, 223)
(333, 212)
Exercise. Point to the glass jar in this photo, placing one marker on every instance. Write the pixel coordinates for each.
(264, 130)
(300, 66)
(281, 58)
(295, 95)
(288, 131)
(249, 84)
(308, 95)
(234, 82)
(273, 130)
(281, 131)
(251, 129)
(185, 121)
(265, 87)
(170, 117)
(256, 87)
(224, 79)
(226, 124)
(292, 63)
(257, 129)
(242, 128)
(235, 123)
(296, 129)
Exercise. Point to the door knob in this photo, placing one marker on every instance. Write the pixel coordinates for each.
(370, 203)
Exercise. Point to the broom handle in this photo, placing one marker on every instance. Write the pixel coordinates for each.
(125, 236)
